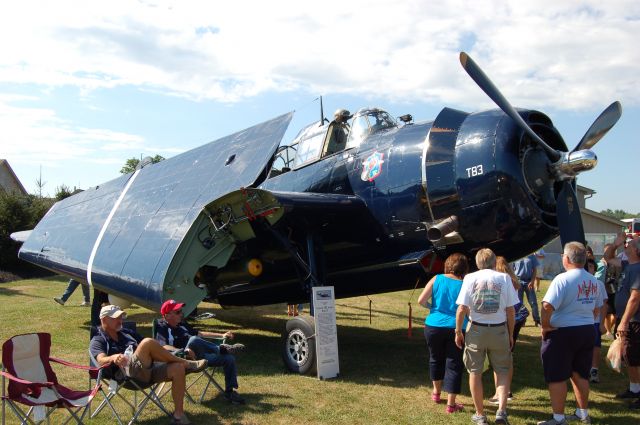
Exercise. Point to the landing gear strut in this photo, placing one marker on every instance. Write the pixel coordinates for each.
(299, 348)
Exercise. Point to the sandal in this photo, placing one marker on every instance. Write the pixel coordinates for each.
(455, 408)
(436, 397)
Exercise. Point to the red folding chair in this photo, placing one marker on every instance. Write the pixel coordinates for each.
(26, 364)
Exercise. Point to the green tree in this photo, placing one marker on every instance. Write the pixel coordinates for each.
(63, 191)
(618, 214)
(131, 164)
(18, 212)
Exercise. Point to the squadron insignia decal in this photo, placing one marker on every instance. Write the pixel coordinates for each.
(372, 166)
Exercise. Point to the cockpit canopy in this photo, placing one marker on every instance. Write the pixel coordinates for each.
(317, 141)
(367, 121)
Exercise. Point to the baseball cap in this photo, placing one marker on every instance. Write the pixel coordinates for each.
(169, 306)
(112, 311)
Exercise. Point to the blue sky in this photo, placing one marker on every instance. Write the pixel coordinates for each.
(84, 85)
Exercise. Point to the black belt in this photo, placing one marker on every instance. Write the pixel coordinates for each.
(489, 325)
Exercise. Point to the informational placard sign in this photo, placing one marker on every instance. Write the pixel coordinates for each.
(324, 304)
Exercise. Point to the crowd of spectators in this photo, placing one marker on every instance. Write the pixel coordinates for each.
(475, 319)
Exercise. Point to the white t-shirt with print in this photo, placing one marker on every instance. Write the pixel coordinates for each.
(574, 295)
(487, 293)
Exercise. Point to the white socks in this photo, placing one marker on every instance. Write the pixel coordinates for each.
(582, 413)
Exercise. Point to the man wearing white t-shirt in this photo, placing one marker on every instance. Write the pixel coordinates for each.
(487, 297)
(568, 334)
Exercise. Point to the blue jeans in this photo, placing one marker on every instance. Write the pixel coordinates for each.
(73, 284)
(210, 351)
(532, 299)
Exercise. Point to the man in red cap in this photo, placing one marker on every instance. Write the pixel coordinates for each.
(174, 334)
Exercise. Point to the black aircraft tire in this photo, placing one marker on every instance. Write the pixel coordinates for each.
(299, 345)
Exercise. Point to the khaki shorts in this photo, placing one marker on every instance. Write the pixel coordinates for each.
(482, 341)
(156, 373)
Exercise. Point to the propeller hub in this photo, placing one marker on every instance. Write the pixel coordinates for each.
(573, 163)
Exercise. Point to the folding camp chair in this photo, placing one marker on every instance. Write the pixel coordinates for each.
(32, 382)
(206, 374)
(115, 387)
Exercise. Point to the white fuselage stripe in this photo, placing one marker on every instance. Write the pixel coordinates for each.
(106, 224)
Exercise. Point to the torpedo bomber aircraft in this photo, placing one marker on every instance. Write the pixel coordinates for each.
(364, 203)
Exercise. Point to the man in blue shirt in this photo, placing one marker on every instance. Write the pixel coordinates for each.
(173, 334)
(527, 270)
(568, 334)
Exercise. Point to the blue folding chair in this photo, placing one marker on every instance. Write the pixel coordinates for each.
(206, 374)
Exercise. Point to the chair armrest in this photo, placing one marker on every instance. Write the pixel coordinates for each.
(24, 381)
(76, 366)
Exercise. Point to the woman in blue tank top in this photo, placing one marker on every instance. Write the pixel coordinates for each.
(445, 358)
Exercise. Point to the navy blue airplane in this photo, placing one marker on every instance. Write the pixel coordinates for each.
(365, 203)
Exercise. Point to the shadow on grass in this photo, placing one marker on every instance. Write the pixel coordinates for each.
(24, 287)
(375, 313)
(219, 410)
(255, 404)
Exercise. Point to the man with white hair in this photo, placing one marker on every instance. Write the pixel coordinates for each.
(568, 335)
(488, 298)
(150, 362)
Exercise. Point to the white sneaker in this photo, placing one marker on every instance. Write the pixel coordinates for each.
(552, 422)
(58, 300)
(231, 349)
(576, 418)
(85, 304)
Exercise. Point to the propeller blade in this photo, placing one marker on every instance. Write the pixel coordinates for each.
(568, 213)
(607, 119)
(492, 91)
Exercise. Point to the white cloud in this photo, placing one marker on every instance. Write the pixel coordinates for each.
(37, 136)
(568, 55)
(548, 55)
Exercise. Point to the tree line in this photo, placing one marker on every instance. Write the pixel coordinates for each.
(618, 214)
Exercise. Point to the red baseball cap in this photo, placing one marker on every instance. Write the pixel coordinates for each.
(169, 306)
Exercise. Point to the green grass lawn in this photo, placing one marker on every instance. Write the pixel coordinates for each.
(384, 373)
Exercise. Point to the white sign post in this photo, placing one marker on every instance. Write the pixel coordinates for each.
(324, 305)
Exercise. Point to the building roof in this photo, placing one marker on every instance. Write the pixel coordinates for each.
(602, 217)
(586, 190)
(5, 164)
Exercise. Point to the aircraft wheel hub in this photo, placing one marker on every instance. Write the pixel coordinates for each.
(298, 346)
